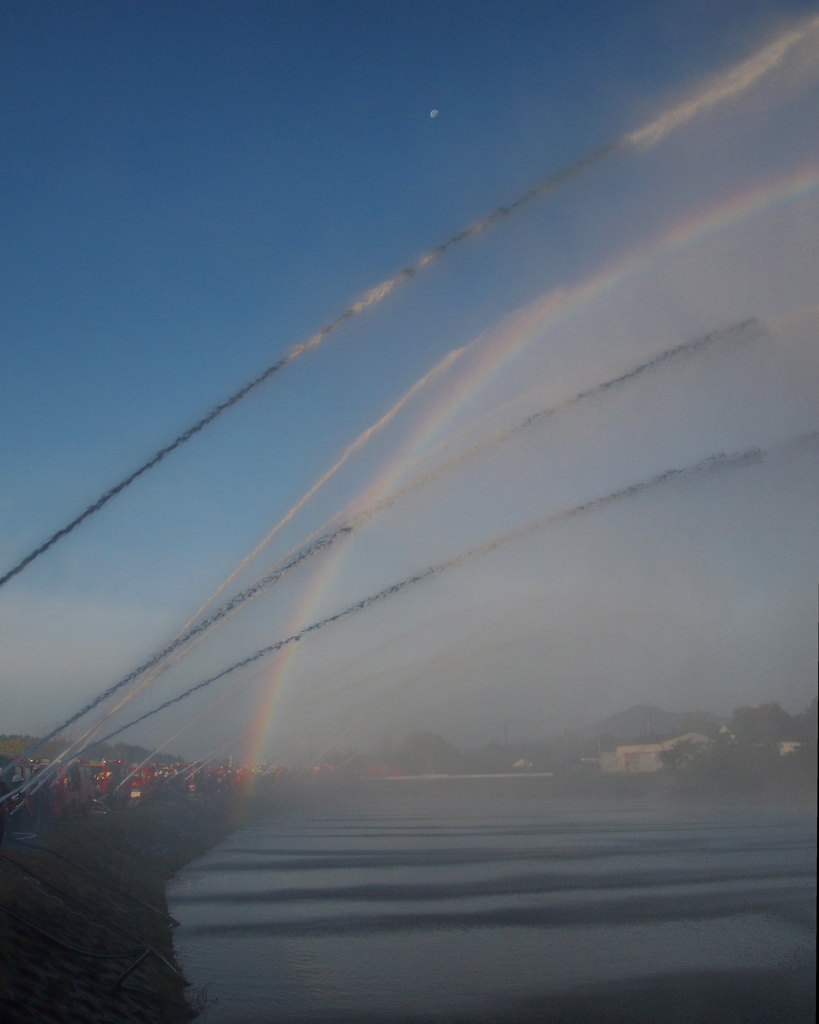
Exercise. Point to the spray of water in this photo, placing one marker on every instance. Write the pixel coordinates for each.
(314, 544)
(727, 86)
(441, 367)
(206, 624)
(742, 330)
(193, 630)
(212, 755)
(424, 670)
(705, 467)
(166, 743)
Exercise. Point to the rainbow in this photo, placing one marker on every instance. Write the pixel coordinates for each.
(496, 349)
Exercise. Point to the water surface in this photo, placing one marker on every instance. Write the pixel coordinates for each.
(437, 902)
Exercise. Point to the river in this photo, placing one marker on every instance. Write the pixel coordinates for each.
(434, 901)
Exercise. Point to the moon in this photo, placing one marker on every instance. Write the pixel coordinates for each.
(433, 113)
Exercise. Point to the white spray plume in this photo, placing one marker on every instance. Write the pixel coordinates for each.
(726, 86)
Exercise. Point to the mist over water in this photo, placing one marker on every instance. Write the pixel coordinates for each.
(426, 445)
(426, 901)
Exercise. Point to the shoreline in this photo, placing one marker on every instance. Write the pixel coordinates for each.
(597, 786)
(85, 933)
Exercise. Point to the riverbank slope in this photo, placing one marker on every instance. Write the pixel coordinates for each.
(85, 935)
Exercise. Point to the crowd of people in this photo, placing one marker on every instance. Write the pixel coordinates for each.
(35, 792)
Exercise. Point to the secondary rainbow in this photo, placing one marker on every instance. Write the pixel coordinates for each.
(506, 342)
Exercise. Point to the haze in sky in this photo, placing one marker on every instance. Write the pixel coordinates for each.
(192, 193)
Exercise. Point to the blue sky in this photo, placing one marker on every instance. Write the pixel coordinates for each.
(192, 188)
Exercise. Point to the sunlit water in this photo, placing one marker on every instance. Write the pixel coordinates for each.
(436, 903)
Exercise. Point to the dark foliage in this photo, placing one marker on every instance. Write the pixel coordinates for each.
(16, 744)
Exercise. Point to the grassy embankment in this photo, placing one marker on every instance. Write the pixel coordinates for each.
(99, 887)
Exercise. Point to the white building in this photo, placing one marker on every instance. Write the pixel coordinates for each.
(644, 757)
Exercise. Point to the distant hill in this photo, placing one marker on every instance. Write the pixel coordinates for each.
(645, 720)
